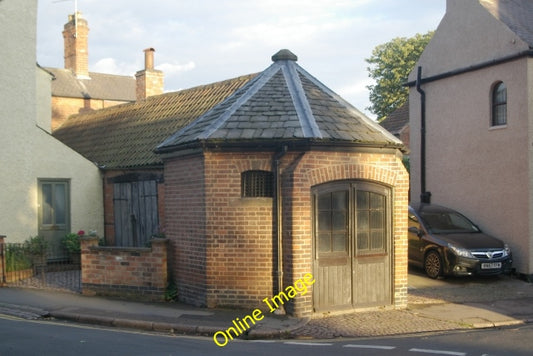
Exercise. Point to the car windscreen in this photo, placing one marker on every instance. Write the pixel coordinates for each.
(447, 223)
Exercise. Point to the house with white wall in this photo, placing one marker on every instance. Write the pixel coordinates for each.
(47, 188)
(471, 99)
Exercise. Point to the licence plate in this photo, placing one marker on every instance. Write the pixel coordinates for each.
(491, 265)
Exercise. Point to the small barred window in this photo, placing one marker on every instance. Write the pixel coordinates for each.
(255, 184)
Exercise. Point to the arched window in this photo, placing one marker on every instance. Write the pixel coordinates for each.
(256, 184)
(499, 105)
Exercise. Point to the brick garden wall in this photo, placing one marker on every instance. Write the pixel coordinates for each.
(139, 273)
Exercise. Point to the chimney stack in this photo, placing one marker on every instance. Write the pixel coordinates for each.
(149, 80)
(76, 36)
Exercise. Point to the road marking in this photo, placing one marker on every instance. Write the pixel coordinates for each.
(439, 352)
(307, 343)
(379, 347)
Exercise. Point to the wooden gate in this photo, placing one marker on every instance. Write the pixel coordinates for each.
(136, 212)
(352, 244)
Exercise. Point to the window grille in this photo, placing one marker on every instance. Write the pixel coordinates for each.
(256, 184)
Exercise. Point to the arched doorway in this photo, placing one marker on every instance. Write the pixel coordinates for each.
(352, 245)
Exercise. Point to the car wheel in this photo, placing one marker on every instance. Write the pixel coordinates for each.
(433, 264)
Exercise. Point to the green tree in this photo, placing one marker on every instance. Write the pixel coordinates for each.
(390, 64)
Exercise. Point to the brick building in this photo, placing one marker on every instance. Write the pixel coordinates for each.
(281, 179)
(260, 179)
(121, 141)
(76, 90)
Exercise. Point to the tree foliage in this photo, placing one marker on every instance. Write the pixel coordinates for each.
(390, 64)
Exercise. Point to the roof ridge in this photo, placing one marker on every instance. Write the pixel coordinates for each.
(364, 119)
(250, 89)
(301, 104)
(249, 93)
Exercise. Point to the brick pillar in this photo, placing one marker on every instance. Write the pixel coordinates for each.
(159, 251)
(87, 254)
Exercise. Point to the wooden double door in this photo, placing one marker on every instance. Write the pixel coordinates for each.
(136, 212)
(352, 244)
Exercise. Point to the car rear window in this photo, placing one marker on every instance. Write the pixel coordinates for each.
(447, 223)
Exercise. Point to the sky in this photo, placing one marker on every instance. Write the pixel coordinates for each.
(205, 41)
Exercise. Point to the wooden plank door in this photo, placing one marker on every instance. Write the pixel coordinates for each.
(371, 258)
(332, 249)
(136, 212)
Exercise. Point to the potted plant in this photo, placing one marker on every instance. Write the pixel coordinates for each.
(71, 242)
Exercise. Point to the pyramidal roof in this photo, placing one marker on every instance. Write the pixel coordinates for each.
(282, 103)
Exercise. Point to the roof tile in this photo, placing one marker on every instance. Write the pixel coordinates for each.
(125, 136)
(283, 96)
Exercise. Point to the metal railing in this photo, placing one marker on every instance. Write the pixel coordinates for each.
(25, 265)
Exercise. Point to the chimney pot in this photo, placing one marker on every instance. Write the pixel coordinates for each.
(149, 59)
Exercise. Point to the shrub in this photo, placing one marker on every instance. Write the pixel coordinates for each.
(71, 242)
(17, 257)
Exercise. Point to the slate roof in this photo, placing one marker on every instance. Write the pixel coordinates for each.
(125, 136)
(515, 14)
(97, 86)
(283, 103)
(397, 120)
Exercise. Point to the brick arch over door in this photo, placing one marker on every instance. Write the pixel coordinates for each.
(352, 171)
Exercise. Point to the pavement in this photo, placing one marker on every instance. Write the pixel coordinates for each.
(433, 305)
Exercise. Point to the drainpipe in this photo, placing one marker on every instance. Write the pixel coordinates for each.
(425, 196)
(279, 221)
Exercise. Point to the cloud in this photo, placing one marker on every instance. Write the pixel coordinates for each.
(199, 42)
(175, 68)
(110, 65)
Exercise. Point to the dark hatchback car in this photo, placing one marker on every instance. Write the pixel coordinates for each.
(445, 242)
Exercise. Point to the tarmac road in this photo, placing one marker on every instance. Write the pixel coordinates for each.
(434, 306)
(23, 337)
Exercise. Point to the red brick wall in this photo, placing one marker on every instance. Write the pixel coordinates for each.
(125, 272)
(224, 247)
(239, 232)
(185, 212)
